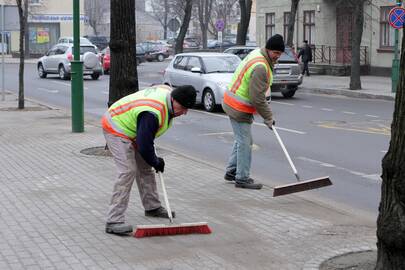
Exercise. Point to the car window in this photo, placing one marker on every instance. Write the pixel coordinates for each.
(180, 62)
(288, 56)
(193, 62)
(84, 49)
(140, 50)
(224, 64)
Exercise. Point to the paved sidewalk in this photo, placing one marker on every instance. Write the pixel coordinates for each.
(53, 201)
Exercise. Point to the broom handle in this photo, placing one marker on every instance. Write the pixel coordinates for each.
(169, 211)
(286, 153)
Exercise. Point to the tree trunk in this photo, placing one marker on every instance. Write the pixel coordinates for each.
(243, 26)
(391, 219)
(22, 13)
(291, 23)
(184, 26)
(165, 20)
(123, 70)
(204, 14)
(355, 82)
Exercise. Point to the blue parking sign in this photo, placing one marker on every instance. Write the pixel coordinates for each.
(397, 17)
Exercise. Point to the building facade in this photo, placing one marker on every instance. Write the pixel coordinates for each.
(328, 26)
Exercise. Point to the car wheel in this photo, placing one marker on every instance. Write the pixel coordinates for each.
(289, 92)
(62, 73)
(160, 57)
(209, 100)
(41, 71)
(95, 76)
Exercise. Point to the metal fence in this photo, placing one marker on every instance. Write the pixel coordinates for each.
(338, 55)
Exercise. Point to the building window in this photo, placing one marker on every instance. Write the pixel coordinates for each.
(286, 22)
(387, 38)
(270, 25)
(309, 26)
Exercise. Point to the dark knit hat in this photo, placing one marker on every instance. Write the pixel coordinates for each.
(185, 95)
(275, 43)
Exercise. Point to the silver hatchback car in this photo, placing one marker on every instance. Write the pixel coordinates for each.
(287, 72)
(57, 61)
(209, 73)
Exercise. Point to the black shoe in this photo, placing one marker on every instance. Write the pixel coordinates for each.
(118, 228)
(159, 212)
(249, 184)
(229, 176)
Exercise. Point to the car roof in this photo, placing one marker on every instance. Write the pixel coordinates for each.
(209, 54)
(243, 47)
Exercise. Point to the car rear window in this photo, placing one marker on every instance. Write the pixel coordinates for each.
(84, 49)
(224, 64)
(288, 56)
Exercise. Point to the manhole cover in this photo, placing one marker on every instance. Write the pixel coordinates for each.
(364, 260)
(96, 151)
(26, 109)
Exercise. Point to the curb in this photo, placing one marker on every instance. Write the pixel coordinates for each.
(314, 264)
(347, 93)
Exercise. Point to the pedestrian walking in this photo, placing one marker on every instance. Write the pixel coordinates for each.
(306, 56)
(247, 95)
(130, 127)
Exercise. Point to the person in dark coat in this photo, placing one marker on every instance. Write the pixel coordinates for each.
(306, 56)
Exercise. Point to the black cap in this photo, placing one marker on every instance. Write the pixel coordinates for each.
(275, 43)
(185, 95)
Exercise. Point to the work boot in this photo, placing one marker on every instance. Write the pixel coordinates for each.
(118, 228)
(159, 212)
(249, 183)
(229, 176)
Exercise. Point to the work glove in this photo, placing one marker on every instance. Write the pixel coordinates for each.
(160, 166)
(270, 124)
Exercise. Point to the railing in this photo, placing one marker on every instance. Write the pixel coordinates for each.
(337, 55)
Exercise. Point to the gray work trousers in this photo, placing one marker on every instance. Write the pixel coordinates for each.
(130, 166)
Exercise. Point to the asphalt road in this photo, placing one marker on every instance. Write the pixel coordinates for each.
(345, 138)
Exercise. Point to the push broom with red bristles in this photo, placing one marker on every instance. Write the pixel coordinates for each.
(171, 229)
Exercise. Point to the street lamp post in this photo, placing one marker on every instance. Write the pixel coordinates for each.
(395, 61)
(77, 74)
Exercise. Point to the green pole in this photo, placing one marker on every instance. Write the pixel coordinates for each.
(77, 74)
(395, 61)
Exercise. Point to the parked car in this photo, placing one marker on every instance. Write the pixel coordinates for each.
(69, 40)
(287, 72)
(106, 57)
(209, 73)
(155, 51)
(100, 41)
(57, 60)
(215, 44)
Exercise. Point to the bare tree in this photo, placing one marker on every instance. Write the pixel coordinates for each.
(94, 9)
(291, 22)
(245, 11)
(184, 26)
(221, 10)
(123, 71)
(22, 6)
(391, 219)
(161, 11)
(204, 13)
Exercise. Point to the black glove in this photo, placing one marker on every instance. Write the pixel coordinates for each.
(160, 166)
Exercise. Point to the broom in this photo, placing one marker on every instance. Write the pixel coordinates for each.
(172, 229)
(300, 185)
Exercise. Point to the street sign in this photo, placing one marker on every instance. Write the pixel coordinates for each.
(173, 25)
(397, 17)
(219, 25)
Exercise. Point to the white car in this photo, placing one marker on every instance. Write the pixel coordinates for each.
(209, 73)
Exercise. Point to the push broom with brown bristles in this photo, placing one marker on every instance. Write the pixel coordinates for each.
(299, 185)
(171, 229)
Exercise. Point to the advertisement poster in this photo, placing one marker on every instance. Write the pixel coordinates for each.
(42, 35)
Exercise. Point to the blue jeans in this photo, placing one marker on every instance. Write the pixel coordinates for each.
(241, 156)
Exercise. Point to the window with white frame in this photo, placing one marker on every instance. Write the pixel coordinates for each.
(309, 26)
(286, 22)
(387, 36)
(270, 25)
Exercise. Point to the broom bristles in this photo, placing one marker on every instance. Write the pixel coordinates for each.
(161, 230)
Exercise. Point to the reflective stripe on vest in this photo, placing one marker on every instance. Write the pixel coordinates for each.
(237, 96)
(109, 126)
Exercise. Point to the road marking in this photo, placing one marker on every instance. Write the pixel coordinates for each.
(370, 115)
(346, 112)
(68, 84)
(307, 106)
(283, 103)
(375, 176)
(254, 123)
(384, 151)
(48, 90)
(105, 92)
(327, 109)
(382, 130)
(216, 133)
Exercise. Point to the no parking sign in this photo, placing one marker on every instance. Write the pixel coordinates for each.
(397, 17)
